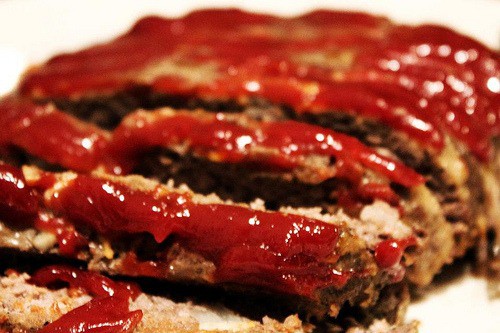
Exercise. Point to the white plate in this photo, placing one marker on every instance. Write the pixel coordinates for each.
(31, 31)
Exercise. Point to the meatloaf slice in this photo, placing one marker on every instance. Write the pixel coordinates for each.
(137, 227)
(26, 307)
(30, 303)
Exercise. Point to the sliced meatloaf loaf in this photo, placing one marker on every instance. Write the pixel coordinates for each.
(422, 94)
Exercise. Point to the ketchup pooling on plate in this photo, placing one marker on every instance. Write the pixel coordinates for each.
(107, 312)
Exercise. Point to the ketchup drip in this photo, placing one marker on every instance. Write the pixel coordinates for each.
(389, 252)
(288, 253)
(108, 312)
(422, 80)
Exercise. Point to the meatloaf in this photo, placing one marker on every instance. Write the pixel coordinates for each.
(243, 158)
(383, 132)
(422, 94)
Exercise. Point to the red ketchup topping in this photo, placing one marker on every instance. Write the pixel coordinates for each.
(107, 313)
(420, 80)
(100, 315)
(52, 135)
(68, 239)
(19, 204)
(389, 252)
(285, 252)
(18, 201)
(372, 191)
(286, 142)
(93, 283)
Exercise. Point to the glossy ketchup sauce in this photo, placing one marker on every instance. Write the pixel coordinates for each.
(107, 312)
(283, 144)
(18, 201)
(69, 240)
(389, 252)
(20, 205)
(52, 135)
(282, 252)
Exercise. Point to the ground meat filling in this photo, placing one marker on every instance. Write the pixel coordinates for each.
(237, 182)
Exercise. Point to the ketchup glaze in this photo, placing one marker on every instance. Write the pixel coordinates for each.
(69, 240)
(20, 205)
(92, 283)
(108, 312)
(52, 135)
(17, 199)
(423, 80)
(100, 315)
(280, 143)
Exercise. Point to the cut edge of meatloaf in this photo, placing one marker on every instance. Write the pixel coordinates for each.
(27, 308)
(357, 243)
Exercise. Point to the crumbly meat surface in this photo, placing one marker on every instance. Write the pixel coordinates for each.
(382, 326)
(26, 308)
